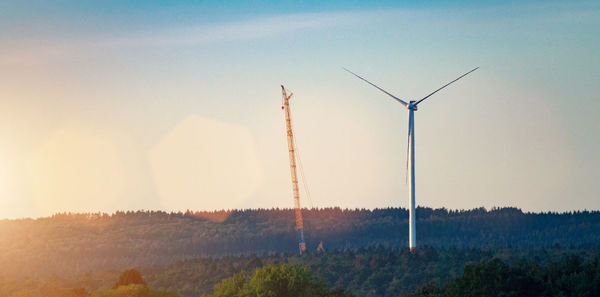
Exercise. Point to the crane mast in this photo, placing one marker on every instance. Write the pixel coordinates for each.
(290, 138)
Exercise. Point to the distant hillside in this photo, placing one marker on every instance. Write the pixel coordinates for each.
(75, 243)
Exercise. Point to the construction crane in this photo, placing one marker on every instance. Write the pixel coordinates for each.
(290, 138)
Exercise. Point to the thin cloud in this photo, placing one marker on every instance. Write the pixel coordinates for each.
(33, 51)
(27, 52)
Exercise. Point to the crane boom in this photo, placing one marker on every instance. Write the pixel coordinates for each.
(290, 138)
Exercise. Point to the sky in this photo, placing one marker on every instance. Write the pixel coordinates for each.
(168, 105)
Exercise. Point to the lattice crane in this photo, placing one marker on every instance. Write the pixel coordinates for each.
(290, 138)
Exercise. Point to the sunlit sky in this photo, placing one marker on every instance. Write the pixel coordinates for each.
(166, 105)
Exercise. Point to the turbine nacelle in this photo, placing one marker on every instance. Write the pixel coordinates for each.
(412, 105)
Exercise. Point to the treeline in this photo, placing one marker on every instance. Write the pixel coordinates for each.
(373, 271)
(76, 243)
(571, 276)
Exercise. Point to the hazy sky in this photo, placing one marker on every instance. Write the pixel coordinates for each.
(108, 105)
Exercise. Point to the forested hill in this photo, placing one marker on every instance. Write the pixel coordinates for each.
(75, 243)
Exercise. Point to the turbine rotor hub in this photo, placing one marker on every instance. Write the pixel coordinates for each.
(412, 105)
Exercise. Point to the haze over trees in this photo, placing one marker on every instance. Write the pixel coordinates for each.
(188, 254)
(78, 243)
(130, 284)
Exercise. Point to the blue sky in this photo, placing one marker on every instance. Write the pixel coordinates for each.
(172, 105)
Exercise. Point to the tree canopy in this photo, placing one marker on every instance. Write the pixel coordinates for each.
(130, 277)
(571, 276)
(281, 280)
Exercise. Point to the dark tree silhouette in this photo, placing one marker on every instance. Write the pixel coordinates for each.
(130, 277)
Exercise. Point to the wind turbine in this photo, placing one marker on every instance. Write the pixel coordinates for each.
(410, 153)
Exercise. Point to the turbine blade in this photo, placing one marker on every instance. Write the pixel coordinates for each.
(445, 86)
(398, 99)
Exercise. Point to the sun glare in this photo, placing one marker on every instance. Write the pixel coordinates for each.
(205, 164)
(76, 170)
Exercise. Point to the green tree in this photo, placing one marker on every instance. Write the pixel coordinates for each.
(128, 277)
(231, 287)
(285, 280)
(495, 278)
(282, 280)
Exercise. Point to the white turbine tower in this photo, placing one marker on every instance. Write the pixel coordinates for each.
(410, 162)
